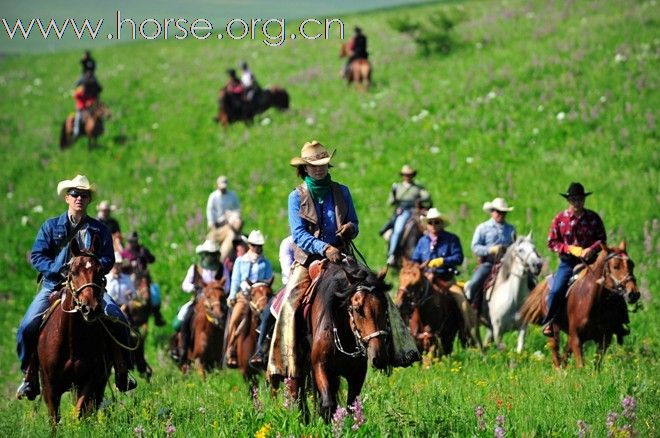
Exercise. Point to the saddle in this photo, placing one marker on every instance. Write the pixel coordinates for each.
(490, 280)
(315, 270)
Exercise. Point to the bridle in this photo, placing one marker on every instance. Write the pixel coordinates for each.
(416, 293)
(258, 306)
(208, 307)
(618, 285)
(75, 291)
(360, 341)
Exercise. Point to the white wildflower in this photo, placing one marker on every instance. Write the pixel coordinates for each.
(469, 160)
(603, 99)
(24, 220)
(174, 245)
(149, 180)
(619, 58)
(434, 149)
(265, 121)
(155, 126)
(38, 209)
(561, 116)
(310, 120)
(540, 108)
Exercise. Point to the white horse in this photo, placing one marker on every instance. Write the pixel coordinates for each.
(510, 290)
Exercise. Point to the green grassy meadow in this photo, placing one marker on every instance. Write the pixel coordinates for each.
(536, 95)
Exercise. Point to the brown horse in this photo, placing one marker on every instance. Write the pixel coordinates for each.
(231, 110)
(73, 348)
(412, 231)
(138, 311)
(349, 328)
(595, 307)
(246, 332)
(208, 327)
(92, 126)
(359, 71)
(431, 313)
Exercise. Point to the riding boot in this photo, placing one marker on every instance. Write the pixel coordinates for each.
(185, 335)
(29, 388)
(158, 316)
(259, 359)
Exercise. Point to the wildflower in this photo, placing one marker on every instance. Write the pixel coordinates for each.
(263, 431)
(499, 420)
(479, 412)
(619, 58)
(469, 160)
(138, 430)
(358, 414)
(155, 126)
(170, 429)
(255, 398)
(338, 421)
(265, 121)
(499, 432)
(24, 220)
(583, 428)
(561, 116)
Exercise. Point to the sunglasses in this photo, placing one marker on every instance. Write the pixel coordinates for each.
(77, 194)
(434, 222)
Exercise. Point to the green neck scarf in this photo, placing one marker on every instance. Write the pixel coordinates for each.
(318, 188)
(210, 261)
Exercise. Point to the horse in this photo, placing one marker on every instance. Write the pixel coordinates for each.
(432, 314)
(231, 110)
(412, 231)
(595, 307)
(246, 332)
(359, 70)
(348, 325)
(73, 347)
(92, 126)
(226, 233)
(138, 311)
(509, 291)
(208, 327)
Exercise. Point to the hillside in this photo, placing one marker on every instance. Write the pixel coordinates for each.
(538, 94)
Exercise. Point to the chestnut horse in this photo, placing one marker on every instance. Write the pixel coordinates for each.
(73, 349)
(431, 313)
(138, 311)
(349, 328)
(92, 126)
(208, 327)
(359, 71)
(595, 307)
(412, 231)
(246, 332)
(230, 110)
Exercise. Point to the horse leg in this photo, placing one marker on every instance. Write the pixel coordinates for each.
(325, 385)
(576, 346)
(355, 383)
(199, 366)
(521, 338)
(603, 345)
(52, 400)
(553, 343)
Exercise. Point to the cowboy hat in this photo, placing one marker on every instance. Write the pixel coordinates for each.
(498, 204)
(256, 238)
(407, 170)
(133, 237)
(433, 213)
(222, 182)
(209, 246)
(105, 205)
(313, 153)
(575, 189)
(80, 182)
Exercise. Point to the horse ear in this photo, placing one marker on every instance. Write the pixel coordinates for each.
(529, 236)
(357, 300)
(96, 243)
(383, 273)
(622, 245)
(271, 281)
(74, 247)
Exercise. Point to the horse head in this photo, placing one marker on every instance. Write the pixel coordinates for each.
(260, 293)
(524, 249)
(215, 302)
(618, 275)
(85, 280)
(410, 284)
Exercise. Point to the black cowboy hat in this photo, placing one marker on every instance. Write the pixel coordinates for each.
(575, 189)
(357, 29)
(133, 237)
(231, 72)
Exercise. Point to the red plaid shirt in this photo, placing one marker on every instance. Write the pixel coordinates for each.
(586, 231)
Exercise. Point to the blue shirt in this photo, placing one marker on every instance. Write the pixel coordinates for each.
(50, 252)
(447, 246)
(489, 234)
(325, 212)
(244, 269)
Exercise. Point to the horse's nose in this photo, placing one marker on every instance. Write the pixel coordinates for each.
(633, 296)
(85, 309)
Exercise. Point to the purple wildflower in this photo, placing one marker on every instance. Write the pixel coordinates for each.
(288, 399)
(170, 429)
(479, 412)
(629, 404)
(139, 430)
(338, 421)
(499, 420)
(499, 432)
(583, 428)
(358, 414)
(611, 419)
(255, 398)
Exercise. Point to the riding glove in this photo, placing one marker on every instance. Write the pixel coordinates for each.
(575, 250)
(495, 249)
(333, 254)
(436, 263)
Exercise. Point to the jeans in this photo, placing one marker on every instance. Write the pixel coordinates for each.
(266, 324)
(399, 225)
(478, 279)
(28, 331)
(559, 287)
(76, 123)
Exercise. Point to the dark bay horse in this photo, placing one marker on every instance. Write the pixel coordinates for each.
(359, 70)
(92, 126)
(595, 307)
(349, 328)
(73, 348)
(208, 327)
(246, 332)
(138, 311)
(230, 110)
(431, 313)
(412, 231)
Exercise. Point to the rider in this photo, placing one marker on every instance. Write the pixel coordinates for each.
(249, 268)
(489, 243)
(235, 89)
(249, 82)
(575, 235)
(441, 249)
(267, 317)
(220, 202)
(208, 269)
(85, 94)
(103, 214)
(322, 220)
(88, 63)
(357, 47)
(119, 285)
(405, 197)
(50, 256)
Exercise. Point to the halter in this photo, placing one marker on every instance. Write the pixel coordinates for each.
(360, 341)
(618, 285)
(524, 261)
(210, 317)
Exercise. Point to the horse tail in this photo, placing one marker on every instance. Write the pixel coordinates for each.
(531, 311)
(279, 98)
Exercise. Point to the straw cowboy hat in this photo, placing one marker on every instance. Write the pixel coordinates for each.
(498, 204)
(256, 238)
(208, 246)
(80, 182)
(105, 205)
(313, 153)
(433, 213)
(575, 189)
(408, 170)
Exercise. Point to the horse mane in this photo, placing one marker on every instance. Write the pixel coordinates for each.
(509, 258)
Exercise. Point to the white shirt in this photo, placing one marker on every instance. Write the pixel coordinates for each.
(219, 204)
(247, 79)
(208, 275)
(286, 258)
(120, 288)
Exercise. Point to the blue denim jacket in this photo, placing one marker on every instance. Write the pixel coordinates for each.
(54, 233)
(489, 234)
(448, 246)
(244, 269)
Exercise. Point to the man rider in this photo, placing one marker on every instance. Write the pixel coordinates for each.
(357, 47)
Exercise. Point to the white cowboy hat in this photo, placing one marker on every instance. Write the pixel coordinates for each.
(79, 182)
(256, 238)
(434, 213)
(222, 182)
(208, 246)
(408, 170)
(313, 153)
(498, 204)
(105, 205)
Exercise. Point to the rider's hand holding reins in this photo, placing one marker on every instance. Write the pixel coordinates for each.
(575, 250)
(346, 231)
(436, 262)
(333, 254)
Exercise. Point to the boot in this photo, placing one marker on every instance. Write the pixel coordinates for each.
(259, 359)
(158, 317)
(232, 359)
(29, 387)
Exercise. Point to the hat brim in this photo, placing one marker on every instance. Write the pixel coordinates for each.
(488, 207)
(65, 186)
(443, 218)
(299, 161)
(566, 195)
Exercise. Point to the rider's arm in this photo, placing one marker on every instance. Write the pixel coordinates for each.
(106, 252)
(351, 215)
(418, 255)
(479, 242)
(187, 285)
(42, 255)
(455, 256)
(302, 238)
(599, 231)
(235, 279)
(210, 210)
(555, 238)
